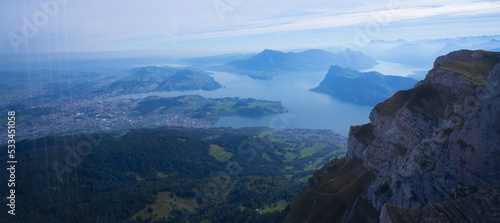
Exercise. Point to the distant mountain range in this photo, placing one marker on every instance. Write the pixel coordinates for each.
(215, 60)
(421, 53)
(410, 54)
(358, 87)
(269, 63)
(153, 78)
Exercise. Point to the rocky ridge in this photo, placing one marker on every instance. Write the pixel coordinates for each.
(430, 148)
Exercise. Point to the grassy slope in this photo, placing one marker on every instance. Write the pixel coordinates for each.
(162, 208)
(219, 153)
(478, 69)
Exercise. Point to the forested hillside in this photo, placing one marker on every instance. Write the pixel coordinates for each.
(168, 174)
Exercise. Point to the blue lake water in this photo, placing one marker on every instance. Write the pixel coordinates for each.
(395, 69)
(307, 109)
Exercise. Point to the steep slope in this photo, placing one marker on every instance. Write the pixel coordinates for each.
(367, 88)
(433, 150)
(269, 63)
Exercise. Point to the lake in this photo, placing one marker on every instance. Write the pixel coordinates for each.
(395, 69)
(309, 110)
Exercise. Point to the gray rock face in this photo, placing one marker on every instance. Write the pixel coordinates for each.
(437, 142)
(478, 207)
(459, 56)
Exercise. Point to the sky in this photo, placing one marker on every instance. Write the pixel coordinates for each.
(203, 27)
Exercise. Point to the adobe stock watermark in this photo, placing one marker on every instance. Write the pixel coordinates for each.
(74, 155)
(281, 121)
(372, 29)
(30, 26)
(220, 182)
(223, 6)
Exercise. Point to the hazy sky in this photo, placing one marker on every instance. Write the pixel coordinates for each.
(216, 26)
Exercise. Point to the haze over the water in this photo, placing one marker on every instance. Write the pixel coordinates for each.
(202, 27)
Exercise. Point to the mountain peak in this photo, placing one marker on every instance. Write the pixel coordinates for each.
(458, 56)
(424, 134)
(269, 63)
(335, 68)
(268, 51)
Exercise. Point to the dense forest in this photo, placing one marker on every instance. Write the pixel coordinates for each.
(168, 174)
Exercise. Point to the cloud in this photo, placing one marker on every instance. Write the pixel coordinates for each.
(132, 24)
(322, 21)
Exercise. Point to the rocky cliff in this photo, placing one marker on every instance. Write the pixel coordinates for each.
(430, 152)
